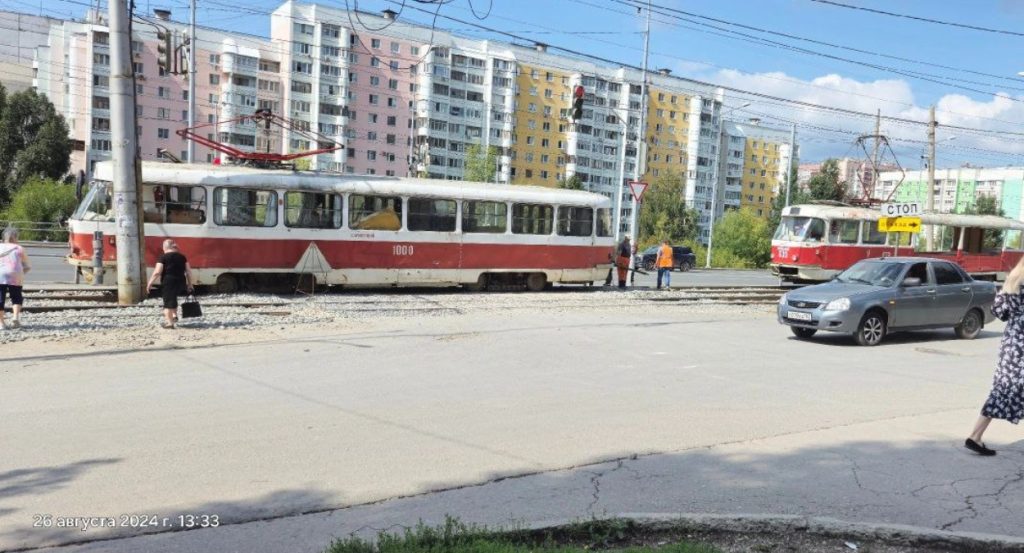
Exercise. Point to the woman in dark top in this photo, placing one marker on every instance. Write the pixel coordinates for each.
(175, 277)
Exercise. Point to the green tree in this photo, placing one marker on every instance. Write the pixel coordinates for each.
(826, 184)
(481, 165)
(988, 205)
(33, 141)
(742, 235)
(41, 200)
(796, 196)
(664, 215)
(572, 183)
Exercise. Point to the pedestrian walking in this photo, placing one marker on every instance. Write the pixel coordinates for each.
(664, 264)
(625, 251)
(175, 276)
(1006, 400)
(13, 266)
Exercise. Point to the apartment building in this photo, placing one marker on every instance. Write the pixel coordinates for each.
(956, 190)
(235, 75)
(857, 174)
(756, 161)
(405, 99)
(23, 33)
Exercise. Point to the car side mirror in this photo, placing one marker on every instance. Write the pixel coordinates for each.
(910, 282)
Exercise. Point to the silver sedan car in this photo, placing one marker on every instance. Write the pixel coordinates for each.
(878, 296)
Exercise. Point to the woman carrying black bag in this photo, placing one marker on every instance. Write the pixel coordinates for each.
(175, 277)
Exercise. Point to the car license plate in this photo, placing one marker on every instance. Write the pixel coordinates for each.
(798, 316)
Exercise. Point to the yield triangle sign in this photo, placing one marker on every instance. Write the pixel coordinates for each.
(638, 188)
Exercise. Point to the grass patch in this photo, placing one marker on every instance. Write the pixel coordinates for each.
(456, 537)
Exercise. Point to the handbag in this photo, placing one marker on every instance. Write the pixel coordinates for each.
(190, 308)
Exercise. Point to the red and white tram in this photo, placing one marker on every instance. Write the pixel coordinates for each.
(245, 228)
(815, 242)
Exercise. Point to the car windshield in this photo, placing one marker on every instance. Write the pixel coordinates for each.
(800, 229)
(874, 273)
(651, 250)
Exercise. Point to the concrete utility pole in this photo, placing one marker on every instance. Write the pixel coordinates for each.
(127, 209)
(192, 54)
(792, 158)
(930, 189)
(874, 153)
(641, 135)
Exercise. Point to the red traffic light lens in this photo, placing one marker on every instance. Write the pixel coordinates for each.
(578, 92)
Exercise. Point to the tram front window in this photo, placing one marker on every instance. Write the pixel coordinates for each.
(801, 229)
(97, 205)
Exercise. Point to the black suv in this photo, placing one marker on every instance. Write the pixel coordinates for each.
(683, 258)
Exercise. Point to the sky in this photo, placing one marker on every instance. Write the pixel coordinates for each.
(979, 87)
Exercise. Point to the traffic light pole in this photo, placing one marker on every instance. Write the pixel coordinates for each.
(127, 209)
(641, 154)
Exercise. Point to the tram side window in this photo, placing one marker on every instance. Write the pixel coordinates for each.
(431, 214)
(179, 205)
(815, 231)
(367, 212)
(604, 222)
(312, 210)
(843, 231)
(871, 234)
(532, 218)
(489, 217)
(575, 221)
(241, 207)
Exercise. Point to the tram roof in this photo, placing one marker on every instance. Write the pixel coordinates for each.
(219, 175)
(863, 213)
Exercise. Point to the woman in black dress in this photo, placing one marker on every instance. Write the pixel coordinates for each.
(1006, 400)
(175, 277)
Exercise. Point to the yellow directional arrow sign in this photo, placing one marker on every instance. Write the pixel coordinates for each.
(899, 224)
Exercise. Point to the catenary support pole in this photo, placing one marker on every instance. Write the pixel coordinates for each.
(930, 188)
(127, 210)
(193, 52)
(792, 158)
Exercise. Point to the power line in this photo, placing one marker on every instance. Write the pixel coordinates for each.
(833, 45)
(919, 18)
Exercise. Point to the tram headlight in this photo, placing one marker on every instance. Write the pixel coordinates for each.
(841, 304)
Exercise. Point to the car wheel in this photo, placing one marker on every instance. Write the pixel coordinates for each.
(871, 329)
(649, 265)
(970, 326)
(803, 333)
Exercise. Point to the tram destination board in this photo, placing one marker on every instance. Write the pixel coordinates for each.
(903, 209)
(899, 224)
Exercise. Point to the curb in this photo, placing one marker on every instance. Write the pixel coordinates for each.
(890, 534)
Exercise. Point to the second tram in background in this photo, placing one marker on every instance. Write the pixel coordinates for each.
(814, 242)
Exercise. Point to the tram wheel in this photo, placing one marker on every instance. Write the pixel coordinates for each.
(479, 286)
(226, 284)
(536, 282)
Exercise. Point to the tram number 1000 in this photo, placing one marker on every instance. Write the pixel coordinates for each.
(402, 249)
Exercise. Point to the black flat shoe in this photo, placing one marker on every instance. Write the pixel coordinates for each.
(980, 449)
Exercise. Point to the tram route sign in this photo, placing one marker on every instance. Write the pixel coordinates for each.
(902, 209)
(899, 224)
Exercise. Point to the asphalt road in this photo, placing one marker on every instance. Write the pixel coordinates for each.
(727, 413)
(48, 264)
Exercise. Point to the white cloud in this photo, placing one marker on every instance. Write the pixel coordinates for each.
(895, 97)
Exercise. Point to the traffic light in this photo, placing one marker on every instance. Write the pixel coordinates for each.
(577, 103)
(165, 52)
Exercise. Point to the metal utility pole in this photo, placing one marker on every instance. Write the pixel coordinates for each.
(192, 53)
(930, 189)
(622, 177)
(127, 209)
(641, 152)
(792, 158)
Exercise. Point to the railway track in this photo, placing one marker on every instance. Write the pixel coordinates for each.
(416, 301)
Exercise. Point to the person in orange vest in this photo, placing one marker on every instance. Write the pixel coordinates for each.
(622, 260)
(664, 263)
